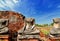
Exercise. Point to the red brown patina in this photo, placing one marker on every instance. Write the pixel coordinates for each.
(14, 24)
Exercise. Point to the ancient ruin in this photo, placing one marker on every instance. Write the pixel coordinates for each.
(3, 26)
(29, 30)
(16, 26)
(10, 23)
(55, 31)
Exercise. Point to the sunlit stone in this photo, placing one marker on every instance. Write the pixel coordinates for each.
(55, 31)
(29, 30)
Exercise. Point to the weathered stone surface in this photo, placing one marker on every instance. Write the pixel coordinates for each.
(3, 25)
(16, 20)
(4, 30)
(16, 23)
(56, 27)
(29, 30)
(29, 26)
(56, 20)
(28, 36)
(55, 31)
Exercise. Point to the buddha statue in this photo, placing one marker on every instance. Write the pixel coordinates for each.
(55, 31)
(3, 26)
(29, 30)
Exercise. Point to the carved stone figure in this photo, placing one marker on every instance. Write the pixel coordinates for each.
(16, 22)
(29, 30)
(55, 31)
(3, 26)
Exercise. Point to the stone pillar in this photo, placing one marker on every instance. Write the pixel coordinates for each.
(55, 31)
(29, 31)
(56, 22)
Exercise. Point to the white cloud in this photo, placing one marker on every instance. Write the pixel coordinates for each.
(1, 3)
(8, 4)
(15, 1)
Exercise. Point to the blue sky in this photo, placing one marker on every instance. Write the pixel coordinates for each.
(42, 10)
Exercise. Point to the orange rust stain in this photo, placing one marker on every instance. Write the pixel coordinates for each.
(13, 26)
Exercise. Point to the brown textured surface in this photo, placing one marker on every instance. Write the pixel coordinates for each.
(4, 37)
(13, 26)
(29, 40)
